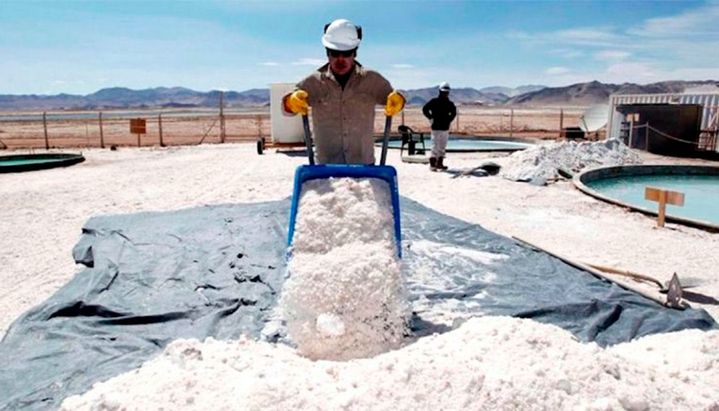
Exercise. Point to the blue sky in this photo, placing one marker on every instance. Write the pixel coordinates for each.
(78, 47)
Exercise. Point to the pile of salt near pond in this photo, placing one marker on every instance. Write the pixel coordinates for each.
(540, 164)
(486, 363)
(345, 295)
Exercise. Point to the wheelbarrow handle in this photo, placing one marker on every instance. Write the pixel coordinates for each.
(385, 140)
(308, 139)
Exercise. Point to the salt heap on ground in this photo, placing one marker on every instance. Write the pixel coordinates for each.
(345, 295)
(541, 162)
(487, 363)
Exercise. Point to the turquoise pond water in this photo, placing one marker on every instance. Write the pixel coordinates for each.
(14, 162)
(701, 193)
(468, 144)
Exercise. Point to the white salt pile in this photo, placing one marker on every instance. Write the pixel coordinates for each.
(541, 162)
(487, 363)
(345, 296)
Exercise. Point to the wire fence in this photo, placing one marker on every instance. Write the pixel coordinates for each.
(164, 128)
(503, 122)
(644, 135)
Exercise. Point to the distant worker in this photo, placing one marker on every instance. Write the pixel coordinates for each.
(440, 111)
(343, 95)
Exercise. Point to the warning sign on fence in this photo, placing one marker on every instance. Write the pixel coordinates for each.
(137, 126)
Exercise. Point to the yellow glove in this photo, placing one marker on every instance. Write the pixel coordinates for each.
(297, 102)
(395, 104)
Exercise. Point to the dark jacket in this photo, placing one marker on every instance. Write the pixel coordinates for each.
(441, 111)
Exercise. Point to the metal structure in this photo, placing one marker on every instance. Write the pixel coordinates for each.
(710, 113)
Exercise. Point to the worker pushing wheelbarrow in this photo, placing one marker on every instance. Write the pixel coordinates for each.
(343, 95)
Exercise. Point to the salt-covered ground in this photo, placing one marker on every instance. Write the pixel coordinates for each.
(488, 363)
(512, 360)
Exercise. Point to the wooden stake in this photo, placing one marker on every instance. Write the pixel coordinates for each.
(258, 120)
(457, 124)
(159, 123)
(511, 122)
(663, 197)
(102, 137)
(44, 126)
(222, 117)
(561, 121)
(662, 208)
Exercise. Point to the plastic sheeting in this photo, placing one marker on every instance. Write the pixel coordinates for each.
(216, 271)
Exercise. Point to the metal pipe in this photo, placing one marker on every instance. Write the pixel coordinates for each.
(385, 140)
(308, 139)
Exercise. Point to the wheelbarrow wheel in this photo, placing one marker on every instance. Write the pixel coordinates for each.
(260, 145)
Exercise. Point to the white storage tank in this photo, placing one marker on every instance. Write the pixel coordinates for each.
(284, 129)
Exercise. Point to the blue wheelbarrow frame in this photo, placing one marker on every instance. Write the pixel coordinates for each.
(312, 172)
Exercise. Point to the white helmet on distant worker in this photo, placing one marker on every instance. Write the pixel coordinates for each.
(444, 86)
(341, 35)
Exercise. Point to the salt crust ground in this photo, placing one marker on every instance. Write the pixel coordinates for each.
(43, 212)
(487, 363)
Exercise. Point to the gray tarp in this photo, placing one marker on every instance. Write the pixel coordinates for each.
(216, 271)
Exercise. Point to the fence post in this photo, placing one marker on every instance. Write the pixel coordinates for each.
(402, 117)
(258, 120)
(44, 126)
(222, 117)
(102, 136)
(457, 123)
(159, 123)
(561, 121)
(511, 122)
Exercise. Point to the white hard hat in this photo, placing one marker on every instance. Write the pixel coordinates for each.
(342, 35)
(444, 86)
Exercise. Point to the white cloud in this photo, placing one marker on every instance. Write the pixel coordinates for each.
(402, 66)
(584, 37)
(700, 22)
(557, 71)
(567, 53)
(309, 62)
(611, 55)
(694, 73)
(672, 47)
(636, 71)
(269, 63)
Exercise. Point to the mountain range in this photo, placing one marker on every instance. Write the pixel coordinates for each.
(581, 94)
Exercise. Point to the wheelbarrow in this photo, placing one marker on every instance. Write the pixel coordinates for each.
(312, 171)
